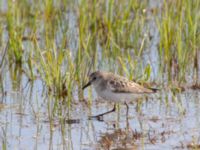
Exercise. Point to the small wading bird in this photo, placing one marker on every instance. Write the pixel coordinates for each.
(115, 88)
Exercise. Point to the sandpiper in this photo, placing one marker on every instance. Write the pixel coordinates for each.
(116, 88)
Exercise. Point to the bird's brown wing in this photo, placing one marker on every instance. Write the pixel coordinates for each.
(125, 86)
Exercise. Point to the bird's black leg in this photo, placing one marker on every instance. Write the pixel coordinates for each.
(99, 117)
(127, 109)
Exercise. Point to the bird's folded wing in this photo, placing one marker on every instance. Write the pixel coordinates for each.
(127, 87)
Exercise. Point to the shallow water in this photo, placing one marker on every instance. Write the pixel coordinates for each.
(167, 122)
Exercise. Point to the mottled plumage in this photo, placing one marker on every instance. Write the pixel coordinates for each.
(116, 88)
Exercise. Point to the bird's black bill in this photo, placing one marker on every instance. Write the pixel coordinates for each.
(154, 89)
(88, 84)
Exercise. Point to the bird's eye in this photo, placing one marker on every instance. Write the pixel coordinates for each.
(94, 78)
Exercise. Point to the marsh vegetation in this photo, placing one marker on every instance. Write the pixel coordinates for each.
(48, 48)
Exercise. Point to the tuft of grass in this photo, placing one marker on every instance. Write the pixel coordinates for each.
(178, 38)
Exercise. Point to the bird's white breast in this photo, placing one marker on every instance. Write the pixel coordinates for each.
(116, 97)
